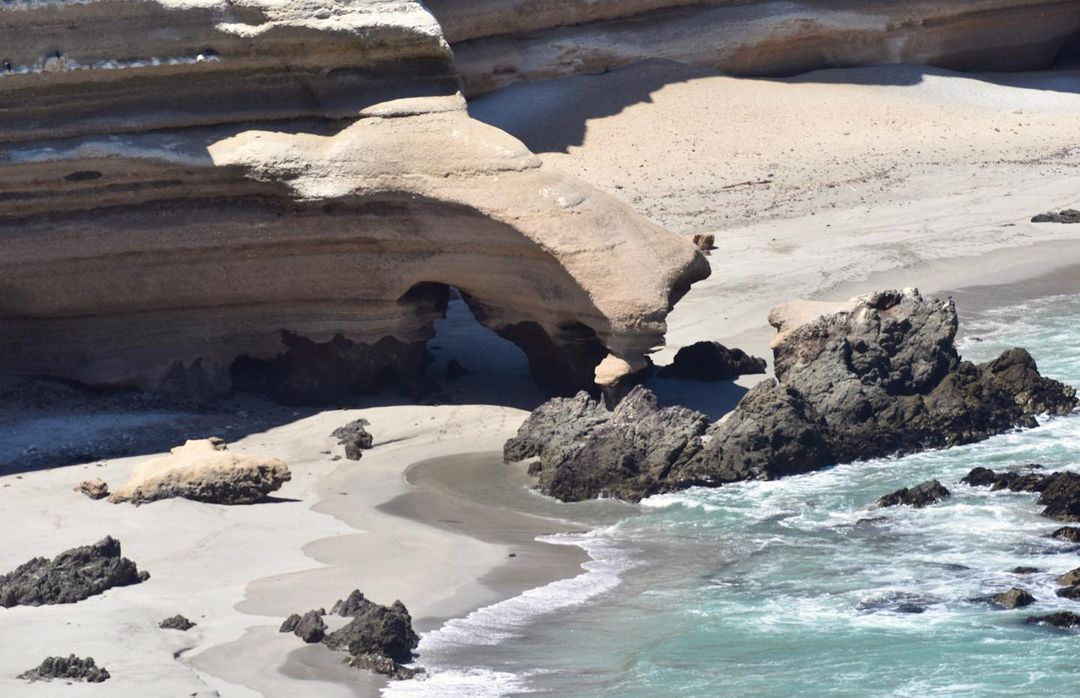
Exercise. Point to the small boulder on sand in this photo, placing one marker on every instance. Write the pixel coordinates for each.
(67, 669)
(204, 471)
(94, 489)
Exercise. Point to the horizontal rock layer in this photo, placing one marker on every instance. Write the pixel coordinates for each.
(500, 42)
(299, 190)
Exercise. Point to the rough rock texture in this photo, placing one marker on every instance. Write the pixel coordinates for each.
(177, 622)
(354, 437)
(378, 638)
(279, 196)
(871, 377)
(498, 42)
(1067, 216)
(712, 361)
(1069, 533)
(919, 496)
(71, 576)
(1070, 578)
(1062, 619)
(1059, 493)
(69, 668)
(377, 629)
(204, 471)
(94, 488)
(1013, 598)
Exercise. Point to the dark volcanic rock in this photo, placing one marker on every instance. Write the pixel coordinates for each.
(69, 668)
(94, 488)
(1062, 619)
(354, 437)
(712, 361)
(919, 496)
(351, 605)
(1013, 598)
(383, 665)
(311, 627)
(1069, 533)
(880, 376)
(290, 624)
(377, 629)
(1059, 493)
(1067, 216)
(71, 576)
(1025, 570)
(1070, 592)
(177, 622)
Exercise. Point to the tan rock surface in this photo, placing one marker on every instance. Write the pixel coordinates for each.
(205, 471)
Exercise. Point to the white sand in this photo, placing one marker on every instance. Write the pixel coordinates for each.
(926, 181)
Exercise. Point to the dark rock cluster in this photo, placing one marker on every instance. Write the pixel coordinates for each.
(71, 576)
(919, 496)
(879, 377)
(177, 622)
(1069, 215)
(1059, 493)
(377, 638)
(712, 361)
(355, 438)
(69, 668)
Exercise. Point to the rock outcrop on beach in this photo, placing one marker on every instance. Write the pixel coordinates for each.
(712, 361)
(70, 668)
(922, 495)
(874, 376)
(281, 196)
(71, 576)
(204, 471)
(377, 638)
(94, 488)
(355, 438)
(177, 622)
(1069, 215)
(499, 42)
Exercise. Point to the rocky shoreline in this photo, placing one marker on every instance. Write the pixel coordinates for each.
(878, 375)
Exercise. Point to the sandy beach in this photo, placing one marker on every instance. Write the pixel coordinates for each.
(911, 178)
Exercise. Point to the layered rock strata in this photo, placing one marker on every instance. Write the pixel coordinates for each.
(498, 42)
(195, 195)
(874, 376)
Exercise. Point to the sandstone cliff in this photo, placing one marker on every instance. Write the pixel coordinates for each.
(193, 188)
(498, 42)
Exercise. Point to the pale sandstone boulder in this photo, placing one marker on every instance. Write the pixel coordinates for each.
(205, 471)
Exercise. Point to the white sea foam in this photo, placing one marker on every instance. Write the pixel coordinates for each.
(502, 621)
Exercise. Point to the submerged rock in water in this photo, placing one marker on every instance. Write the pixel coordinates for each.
(876, 376)
(177, 622)
(204, 471)
(1059, 493)
(355, 438)
(1062, 619)
(1013, 598)
(1069, 215)
(70, 668)
(712, 361)
(1069, 533)
(1025, 570)
(921, 495)
(71, 576)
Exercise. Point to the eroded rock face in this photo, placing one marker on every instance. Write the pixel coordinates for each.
(204, 471)
(874, 376)
(498, 42)
(70, 668)
(287, 205)
(71, 576)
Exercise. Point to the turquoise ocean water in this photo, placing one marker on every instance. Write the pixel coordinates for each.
(798, 587)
